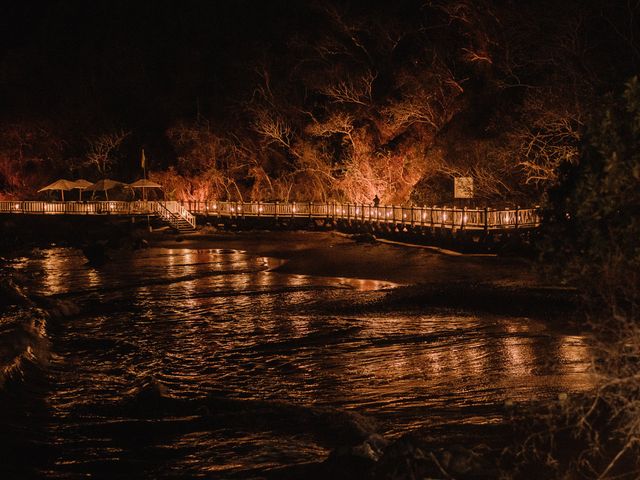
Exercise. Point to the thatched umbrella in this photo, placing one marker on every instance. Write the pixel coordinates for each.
(81, 184)
(61, 185)
(144, 184)
(105, 185)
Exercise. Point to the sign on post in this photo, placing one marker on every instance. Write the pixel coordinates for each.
(463, 187)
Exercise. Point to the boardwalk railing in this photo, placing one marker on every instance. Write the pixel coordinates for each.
(78, 208)
(442, 217)
(173, 211)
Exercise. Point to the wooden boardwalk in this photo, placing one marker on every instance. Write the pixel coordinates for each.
(182, 215)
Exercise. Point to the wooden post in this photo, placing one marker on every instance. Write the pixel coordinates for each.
(486, 219)
(463, 220)
(275, 209)
(432, 216)
(293, 209)
(517, 211)
(412, 219)
(310, 205)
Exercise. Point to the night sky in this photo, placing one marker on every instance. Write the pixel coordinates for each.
(148, 63)
(143, 63)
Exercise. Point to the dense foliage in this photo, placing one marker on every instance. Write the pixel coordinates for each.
(593, 220)
(591, 238)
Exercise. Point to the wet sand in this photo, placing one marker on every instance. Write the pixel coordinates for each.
(337, 255)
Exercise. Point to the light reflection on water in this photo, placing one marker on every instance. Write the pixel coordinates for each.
(222, 323)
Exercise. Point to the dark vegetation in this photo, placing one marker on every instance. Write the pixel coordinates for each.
(591, 230)
(307, 100)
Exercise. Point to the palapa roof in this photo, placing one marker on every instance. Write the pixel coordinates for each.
(105, 184)
(81, 183)
(145, 183)
(61, 184)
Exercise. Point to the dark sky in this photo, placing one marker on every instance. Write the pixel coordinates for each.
(136, 61)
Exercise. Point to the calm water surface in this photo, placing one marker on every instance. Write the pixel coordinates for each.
(203, 363)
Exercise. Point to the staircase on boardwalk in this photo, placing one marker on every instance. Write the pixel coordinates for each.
(175, 215)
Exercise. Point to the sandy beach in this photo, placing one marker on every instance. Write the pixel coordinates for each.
(338, 255)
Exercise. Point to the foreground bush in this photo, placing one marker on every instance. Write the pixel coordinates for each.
(592, 238)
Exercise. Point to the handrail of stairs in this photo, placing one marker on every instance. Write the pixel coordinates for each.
(173, 213)
(163, 212)
(184, 214)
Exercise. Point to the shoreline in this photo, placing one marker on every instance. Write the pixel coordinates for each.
(425, 279)
(421, 278)
(333, 254)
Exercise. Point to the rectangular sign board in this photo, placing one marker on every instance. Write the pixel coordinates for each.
(463, 187)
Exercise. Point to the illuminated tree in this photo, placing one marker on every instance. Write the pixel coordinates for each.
(207, 164)
(28, 156)
(103, 149)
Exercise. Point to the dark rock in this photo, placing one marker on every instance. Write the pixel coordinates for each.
(12, 294)
(364, 238)
(140, 243)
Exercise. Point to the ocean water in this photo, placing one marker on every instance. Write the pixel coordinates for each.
(185, 363)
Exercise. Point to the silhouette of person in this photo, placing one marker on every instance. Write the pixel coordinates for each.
(376, 201)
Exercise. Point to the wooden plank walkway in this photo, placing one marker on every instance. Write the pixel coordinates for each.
(180, 214)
